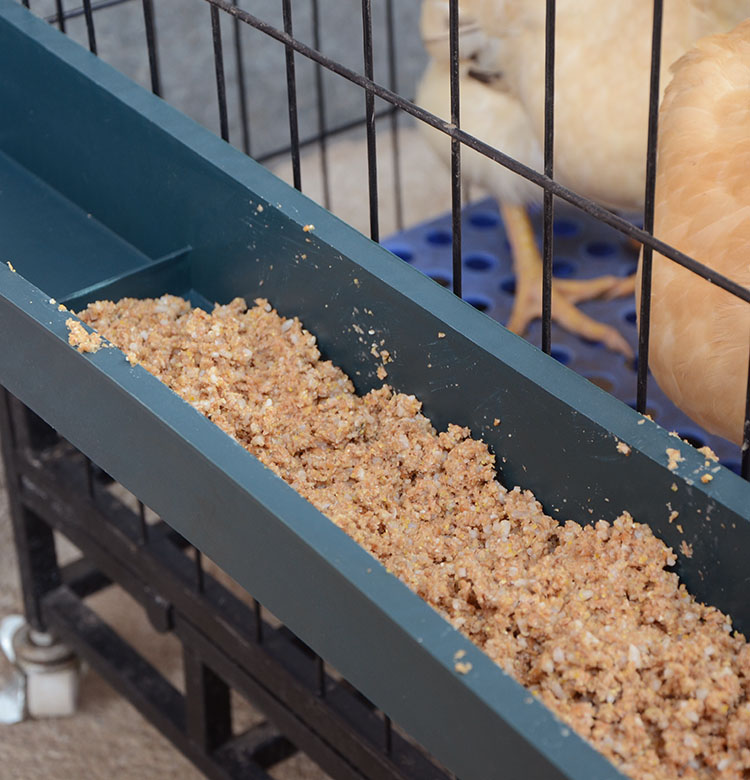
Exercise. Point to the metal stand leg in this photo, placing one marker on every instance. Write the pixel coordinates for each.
(44, 677)
(209, 715)
(34, 540)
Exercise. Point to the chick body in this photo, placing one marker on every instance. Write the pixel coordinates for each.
(602, 72)
(482, 106)
(700, 334)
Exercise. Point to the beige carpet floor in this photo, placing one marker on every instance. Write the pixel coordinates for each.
(107, 738)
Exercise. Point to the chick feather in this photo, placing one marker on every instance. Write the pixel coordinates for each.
(481, 107)
(602, 69)
(700, 334)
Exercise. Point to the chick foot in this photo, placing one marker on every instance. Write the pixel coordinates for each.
(566, 293)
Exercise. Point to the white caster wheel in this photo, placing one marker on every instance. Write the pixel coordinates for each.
(44, 676)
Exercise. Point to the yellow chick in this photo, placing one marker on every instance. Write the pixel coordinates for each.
(602, 64)
(700, 334)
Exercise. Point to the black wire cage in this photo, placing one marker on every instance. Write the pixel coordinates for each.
(231, 83)
(345, 74)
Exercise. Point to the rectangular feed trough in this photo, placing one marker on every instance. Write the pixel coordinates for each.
(106, 191)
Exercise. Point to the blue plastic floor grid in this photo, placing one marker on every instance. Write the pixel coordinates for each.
(584, 248)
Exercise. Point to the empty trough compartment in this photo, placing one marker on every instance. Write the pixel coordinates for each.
(108, 192)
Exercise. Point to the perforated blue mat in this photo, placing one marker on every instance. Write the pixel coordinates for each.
(584, 248)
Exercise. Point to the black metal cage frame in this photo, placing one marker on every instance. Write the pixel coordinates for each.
(228, 643)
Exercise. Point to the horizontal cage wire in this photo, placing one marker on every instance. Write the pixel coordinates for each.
(323, 101)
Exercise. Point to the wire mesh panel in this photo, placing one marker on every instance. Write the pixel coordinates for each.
(352, 76)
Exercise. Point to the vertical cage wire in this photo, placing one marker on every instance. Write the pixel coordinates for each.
(320, 676)
(320, 100)
(395, 134)
(153, 55)
(88, 13)
(142, 525)
(387, 735)
(241, 89)
(548, 200)
(644, 320)
(89, 477)
(745, 450)
(200, 580)
(219, 68)
(60, 15)
(455, 99)
(258, 610)
(291, 86)
(372, 152)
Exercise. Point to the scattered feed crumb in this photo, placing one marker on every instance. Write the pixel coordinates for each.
(308, 228)
(673, 515)
(706, 478)
(496, 422)
(259, 208)
(589, 617)
(686, 549)
(459, 654)
(81, 339)
(709, 453)
(381, 373)
(623, 448)
(462, 667)
(10, 265)
(675, 457)
(441, 335)
(673, 487)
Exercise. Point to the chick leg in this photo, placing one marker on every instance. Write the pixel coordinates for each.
(527, 305)
(607, 287)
